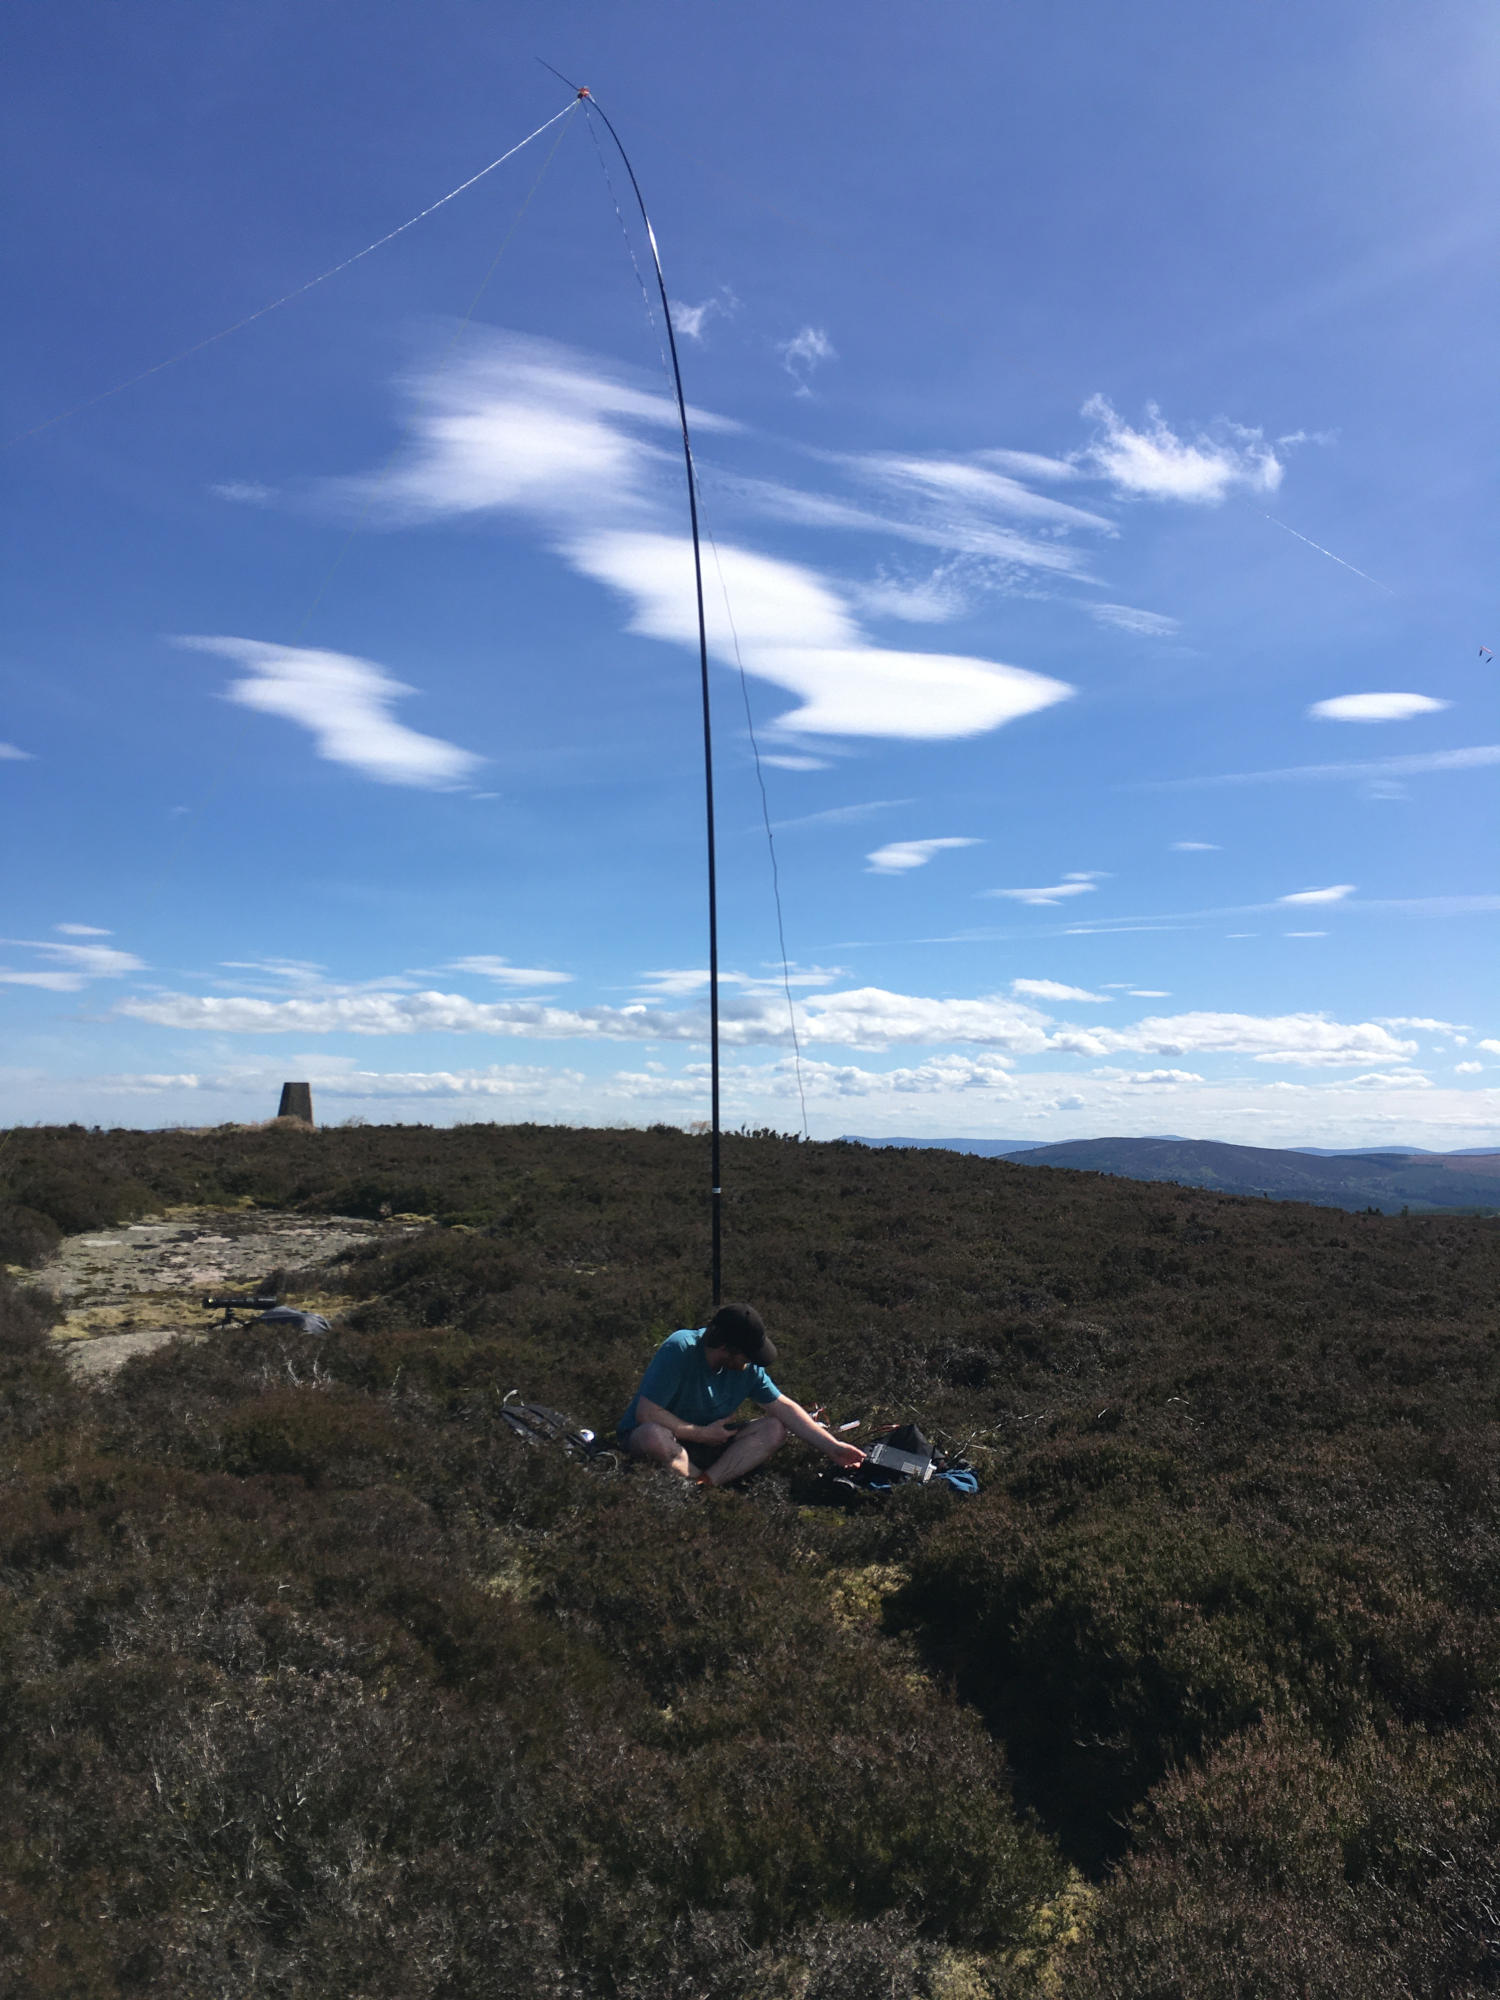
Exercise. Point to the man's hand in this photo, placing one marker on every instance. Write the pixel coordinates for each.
(847, 1455)
(715, 1433)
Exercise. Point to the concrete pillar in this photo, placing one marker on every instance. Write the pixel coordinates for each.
(296, 1102)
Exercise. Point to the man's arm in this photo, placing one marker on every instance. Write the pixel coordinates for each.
(647, 1412)
(795, 1419)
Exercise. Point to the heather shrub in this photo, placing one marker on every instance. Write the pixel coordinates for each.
(1283, 1869)
(1119, 1645)
(314, 1679)
(27, 1237)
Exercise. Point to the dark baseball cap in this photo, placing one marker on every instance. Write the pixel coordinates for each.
(742, 1329)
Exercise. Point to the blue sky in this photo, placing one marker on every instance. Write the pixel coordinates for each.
(1096, 427)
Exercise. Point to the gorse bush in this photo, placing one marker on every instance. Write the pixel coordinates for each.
(314, 1680)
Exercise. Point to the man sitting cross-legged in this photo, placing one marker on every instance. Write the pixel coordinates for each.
(697, 1378)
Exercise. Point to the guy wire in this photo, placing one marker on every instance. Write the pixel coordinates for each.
(444, 359)
(383, 472)
(286, 297)
(765, 813)
(385, 469)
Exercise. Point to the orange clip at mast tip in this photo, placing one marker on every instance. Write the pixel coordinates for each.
(585, 92)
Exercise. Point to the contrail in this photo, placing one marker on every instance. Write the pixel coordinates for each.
(1330, 555)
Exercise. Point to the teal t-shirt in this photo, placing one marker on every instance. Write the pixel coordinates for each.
(680, 1380)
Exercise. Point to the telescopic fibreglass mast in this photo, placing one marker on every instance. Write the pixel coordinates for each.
(708, 740)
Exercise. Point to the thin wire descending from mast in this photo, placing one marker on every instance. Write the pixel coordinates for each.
(716, 1191)
(287, 297)
(765, 813)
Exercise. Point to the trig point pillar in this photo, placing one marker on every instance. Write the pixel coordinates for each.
(296, 1102)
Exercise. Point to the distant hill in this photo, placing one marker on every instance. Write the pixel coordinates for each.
(1387, 1181)
(990, 1148)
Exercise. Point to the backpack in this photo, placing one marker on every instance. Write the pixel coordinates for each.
(534, 1423)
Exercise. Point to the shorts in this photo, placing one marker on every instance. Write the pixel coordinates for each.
(700, 1456)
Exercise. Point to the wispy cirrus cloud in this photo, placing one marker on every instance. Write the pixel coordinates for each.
(804, 353)
(1154, 463)
(346, 705)
(1126, 618)
(1376, 707)
(575, 447)
(899, 857)
(972, 488)
(244, 492)
(840, 815)
(503, 973)
(1052, 989)
(67, 968)
(11, 754)
(1475, 757)
(1335, 894)
(692, 320)
(1078, 884)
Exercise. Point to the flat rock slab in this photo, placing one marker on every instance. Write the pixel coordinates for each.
(103, 1353)
(128, 1290)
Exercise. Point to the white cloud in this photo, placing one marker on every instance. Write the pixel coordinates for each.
(1425, 1024)
(793, 761)
(1158, 465)
(678, 983)
(505, 974)
(1196, 847)
(974, 489)
(898, 857)
(9, 754)
(1150, 993)
(1473, 758)
(81, 930)
(795, 630)
(245, 492)
(691, 320)
(1030, 464)
(1467, 1068)
(932, 600)
(345, 702)
(1304, 934)
(1376, 707)
(1071, 885)
(1404, 1079)
(1300, 1039)
(963, 531)
(1490, 1048)
(1164, 1078)
(1334, 895)
(1051, 989)
(838, 815)
(754, 1016)
(804, 353)
(532, 428)
(69, 967)
(1147, 624)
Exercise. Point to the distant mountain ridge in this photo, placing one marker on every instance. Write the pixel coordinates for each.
(1386, 1180)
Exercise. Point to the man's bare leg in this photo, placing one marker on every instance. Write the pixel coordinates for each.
(656, 1442)
(752, 1447)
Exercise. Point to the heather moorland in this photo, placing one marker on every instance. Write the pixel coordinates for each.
(315, 1680)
